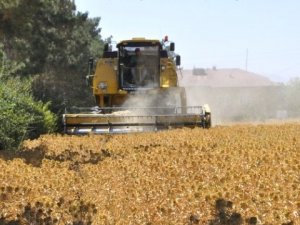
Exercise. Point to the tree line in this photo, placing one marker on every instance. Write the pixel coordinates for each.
(44, 50)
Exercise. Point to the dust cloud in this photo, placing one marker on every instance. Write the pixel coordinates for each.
(231, 105)
(153, 101)
(235, 97)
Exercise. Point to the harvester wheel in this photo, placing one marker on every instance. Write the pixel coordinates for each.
(207, 120)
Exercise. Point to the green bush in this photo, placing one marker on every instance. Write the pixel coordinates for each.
(21, 117)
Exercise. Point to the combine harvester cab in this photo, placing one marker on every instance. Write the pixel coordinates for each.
(136, 90)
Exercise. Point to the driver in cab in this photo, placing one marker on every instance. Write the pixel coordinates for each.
(137, 66)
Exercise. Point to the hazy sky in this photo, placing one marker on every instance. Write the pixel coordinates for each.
(211, 32)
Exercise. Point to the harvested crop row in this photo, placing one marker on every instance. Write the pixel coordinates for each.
(238, 174)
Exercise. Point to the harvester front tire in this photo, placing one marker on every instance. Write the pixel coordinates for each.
(207, 120)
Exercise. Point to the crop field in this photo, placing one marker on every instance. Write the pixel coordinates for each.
(240, 174)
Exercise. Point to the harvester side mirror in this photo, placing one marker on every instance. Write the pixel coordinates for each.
(172, 46)
(91, 65)
(178, 60)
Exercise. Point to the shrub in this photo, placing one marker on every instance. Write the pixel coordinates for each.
(21, 117)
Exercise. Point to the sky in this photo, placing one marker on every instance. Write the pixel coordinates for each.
(254, 35)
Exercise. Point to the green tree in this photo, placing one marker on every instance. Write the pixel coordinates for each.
(54, 42)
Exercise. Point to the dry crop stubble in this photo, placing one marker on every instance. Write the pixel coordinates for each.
(170, 177)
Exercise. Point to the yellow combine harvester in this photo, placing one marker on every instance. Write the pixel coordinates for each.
(136, 89)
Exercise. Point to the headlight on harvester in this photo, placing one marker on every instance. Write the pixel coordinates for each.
(102, 86)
